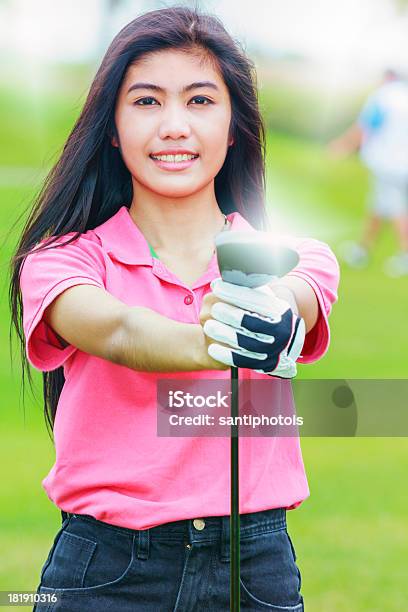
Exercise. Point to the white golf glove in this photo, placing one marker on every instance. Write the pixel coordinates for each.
(263, 331)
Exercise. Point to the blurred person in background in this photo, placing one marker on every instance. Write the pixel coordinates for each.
(380, 133)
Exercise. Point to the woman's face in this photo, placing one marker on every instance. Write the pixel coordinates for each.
(172, 102)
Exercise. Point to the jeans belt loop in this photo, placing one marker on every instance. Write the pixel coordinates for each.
(225, 539)
(143, 549)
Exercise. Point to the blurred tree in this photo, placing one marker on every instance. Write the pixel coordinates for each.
(402, 5)
(113, 4)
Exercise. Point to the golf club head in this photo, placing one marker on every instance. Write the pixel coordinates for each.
(251, 258)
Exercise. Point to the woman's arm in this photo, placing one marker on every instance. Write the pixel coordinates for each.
(139, 338)
(313, 284)
(151, 342)
(300, 296)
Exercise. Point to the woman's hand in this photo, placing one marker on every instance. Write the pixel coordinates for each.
(252, 328)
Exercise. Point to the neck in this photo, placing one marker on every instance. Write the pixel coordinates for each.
(177, 225)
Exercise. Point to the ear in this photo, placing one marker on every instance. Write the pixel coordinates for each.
(114, 137)
(231, 130)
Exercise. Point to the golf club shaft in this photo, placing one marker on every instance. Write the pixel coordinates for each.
(234, 519)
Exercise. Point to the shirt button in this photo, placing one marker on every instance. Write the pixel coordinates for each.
(199, 524)
(188, 299)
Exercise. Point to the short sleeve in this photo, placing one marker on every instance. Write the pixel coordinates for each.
(46, 274)
(318, 266)
(372, 115)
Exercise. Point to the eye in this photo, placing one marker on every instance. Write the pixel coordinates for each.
(142, 100)
(203, 101)
(202, 98)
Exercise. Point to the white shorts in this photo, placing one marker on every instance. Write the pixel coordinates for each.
(389, 196)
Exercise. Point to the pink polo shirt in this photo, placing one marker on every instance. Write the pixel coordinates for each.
(110, 462)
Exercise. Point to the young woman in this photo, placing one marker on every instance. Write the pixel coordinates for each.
(112, 287)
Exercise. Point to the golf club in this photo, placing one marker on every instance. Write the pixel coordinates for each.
(249, 259)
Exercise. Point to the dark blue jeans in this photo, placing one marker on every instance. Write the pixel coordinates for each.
(181, 566)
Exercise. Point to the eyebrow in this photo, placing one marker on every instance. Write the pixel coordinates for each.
(153, 87)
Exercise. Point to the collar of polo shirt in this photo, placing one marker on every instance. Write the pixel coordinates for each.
(122, 239)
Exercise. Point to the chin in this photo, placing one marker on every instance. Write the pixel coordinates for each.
(178, 191)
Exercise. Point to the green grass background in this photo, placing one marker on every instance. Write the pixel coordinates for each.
(351, 535)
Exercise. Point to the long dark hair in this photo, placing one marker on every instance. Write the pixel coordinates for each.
(90, 182)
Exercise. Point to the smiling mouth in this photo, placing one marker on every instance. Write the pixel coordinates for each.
(183, 157)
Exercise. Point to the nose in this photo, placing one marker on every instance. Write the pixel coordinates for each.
(174, 122)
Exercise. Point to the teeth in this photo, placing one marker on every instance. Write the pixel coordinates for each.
(174, 158)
